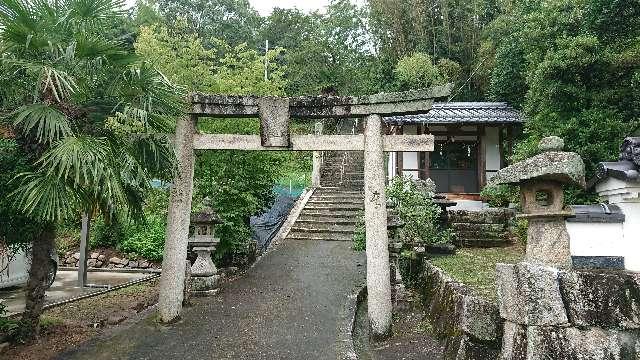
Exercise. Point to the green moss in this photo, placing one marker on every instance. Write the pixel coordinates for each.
(476, 267)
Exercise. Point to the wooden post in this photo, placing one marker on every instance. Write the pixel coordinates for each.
(501, 147)
(482, 166)
(399, 155)
(84, 248)
(375, 211)
(178, 219)
(509, 143)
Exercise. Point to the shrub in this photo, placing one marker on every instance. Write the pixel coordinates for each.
(414, 205)
(359, 235)
(145, 240)
(500, 195)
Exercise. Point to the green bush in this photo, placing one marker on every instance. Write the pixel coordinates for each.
(359, 235)
(105, 234)
(145, 240)
(416, 209)
(500, 195)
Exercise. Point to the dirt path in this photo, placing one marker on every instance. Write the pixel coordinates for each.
(291, 305)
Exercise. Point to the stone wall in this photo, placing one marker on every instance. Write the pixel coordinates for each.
(481, 228)
(100, 259)
(470, 326)
(568, 315)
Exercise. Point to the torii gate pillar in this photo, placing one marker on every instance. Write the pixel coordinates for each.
(375, 214)
(178, 219)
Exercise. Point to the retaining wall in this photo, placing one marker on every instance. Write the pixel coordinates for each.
(470, 326)
(569, 315)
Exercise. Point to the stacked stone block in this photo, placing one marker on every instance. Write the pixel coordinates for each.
(470, 326)
(481, 228)
(568, 314)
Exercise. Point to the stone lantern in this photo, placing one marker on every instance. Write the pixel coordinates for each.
(541, 179)
(204, 275)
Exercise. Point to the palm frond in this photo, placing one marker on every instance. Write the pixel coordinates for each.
(48, 123)
(55, 81)
(28, 23)
(44, 197)
(143, 87)
(90, 12)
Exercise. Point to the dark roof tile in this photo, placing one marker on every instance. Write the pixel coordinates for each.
(463, 113)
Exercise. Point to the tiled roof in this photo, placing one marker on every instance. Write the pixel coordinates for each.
(463, 113)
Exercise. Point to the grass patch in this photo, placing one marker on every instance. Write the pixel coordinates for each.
(476, 267)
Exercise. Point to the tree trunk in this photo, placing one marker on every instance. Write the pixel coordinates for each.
(37, 284)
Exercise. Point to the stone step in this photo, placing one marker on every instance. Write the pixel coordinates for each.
(328, 236)
(469, 227)
(333, 206)
(338, 196)
(311, 213)
(483, 243)
(485, 216)
(310, 220)
(335, 200)
(471, 235)
(323, 228)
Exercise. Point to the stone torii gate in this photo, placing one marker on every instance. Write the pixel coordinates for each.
(275, 114)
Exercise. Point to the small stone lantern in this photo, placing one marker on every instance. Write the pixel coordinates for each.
(541, 179)
(204, 275)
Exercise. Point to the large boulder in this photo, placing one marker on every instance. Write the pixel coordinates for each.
(480, 319)
(529, 294)
(609, 300)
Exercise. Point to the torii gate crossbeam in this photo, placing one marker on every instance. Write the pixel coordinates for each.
(274, 114)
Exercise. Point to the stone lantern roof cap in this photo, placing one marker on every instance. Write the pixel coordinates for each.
(205, 216)
(551, 164)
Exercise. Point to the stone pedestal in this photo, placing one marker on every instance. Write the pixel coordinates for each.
(204, 275)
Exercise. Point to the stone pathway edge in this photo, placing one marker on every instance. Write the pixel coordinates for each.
(345, 343)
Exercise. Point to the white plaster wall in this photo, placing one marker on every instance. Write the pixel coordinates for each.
(410, 158)
(612, 239)
(631, 233)
(596, 239)
(491, 140)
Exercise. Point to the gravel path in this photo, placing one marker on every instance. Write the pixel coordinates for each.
(290, 305)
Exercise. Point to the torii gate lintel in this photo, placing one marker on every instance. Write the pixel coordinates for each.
(274, 114)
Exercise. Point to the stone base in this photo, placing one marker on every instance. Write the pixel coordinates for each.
(203, 283)
(205, 293)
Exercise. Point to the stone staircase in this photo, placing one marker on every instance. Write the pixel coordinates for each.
(481, 228)
(342, 169)
(330, 214)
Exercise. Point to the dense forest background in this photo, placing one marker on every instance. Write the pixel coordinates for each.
(573, 66)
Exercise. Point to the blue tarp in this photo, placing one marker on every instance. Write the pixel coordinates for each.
(266, 226)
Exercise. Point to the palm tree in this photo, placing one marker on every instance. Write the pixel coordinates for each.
(87, 111)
